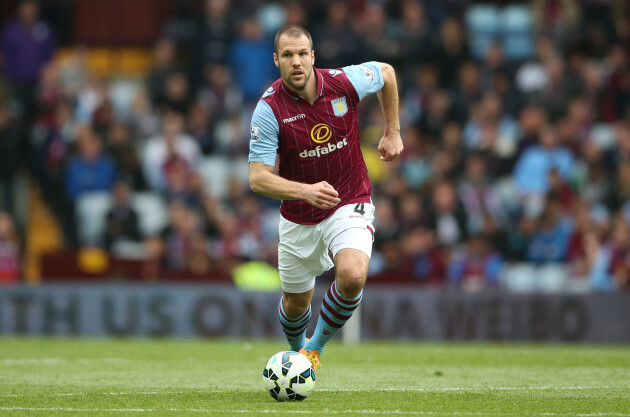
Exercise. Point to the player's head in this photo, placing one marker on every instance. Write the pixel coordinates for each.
(294, 56)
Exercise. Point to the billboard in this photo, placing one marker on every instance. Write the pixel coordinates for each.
(406, 313)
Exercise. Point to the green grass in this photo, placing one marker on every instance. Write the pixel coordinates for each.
(40, 377)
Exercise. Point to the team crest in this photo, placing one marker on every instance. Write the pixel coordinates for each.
(339, 106)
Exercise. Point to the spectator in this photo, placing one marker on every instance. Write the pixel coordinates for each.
(177, 173)
(143, 122)
(531, 174)
(491, 130)
(121, 221)
(90, 170)
(338, 44)
(156, 151)
(200, 128)
(28, 44)
(446, 215)
(381, 38)
(251, 46)
(163, 66)
(478, 196)
(416, 161)
(416, 36)
(10, 251)
(122, 148)
(550, 242)
(476, 266)
(560, 18)
(177, 94)
(451, 51)
(214, 36)
(466, 91)
(9, 159)
(598, 261)
(428, 263)
(436, 116)
(619, 267)
(296, 14)
(220, 96)
(184, 225)
(519, 239)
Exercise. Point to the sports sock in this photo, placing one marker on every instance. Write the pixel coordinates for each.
(294, 328)
(335, 312)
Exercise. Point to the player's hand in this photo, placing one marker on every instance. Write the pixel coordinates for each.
(390, 146)
(322, 195)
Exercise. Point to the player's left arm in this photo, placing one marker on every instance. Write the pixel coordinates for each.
(391, 145)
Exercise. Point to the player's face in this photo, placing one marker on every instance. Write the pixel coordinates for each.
(295, 58)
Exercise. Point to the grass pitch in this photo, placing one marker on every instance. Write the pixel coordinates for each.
(40, 377)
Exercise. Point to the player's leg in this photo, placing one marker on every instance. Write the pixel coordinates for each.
(299, 262)
(342, 298)
(294, 311)
(348, 234)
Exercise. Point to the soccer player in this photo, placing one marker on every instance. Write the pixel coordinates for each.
(308, 117)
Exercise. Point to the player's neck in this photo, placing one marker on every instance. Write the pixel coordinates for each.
(309, 93)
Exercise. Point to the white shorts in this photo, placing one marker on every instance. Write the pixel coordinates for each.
(306, 251)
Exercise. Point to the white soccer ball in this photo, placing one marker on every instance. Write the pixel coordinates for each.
(289, 376)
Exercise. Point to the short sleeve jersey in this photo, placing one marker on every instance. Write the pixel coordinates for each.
(318, 142)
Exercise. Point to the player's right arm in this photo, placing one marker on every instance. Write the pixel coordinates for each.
(263, 148)
(263, 181)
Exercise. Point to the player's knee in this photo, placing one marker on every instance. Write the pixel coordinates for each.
(295, 305)
(350, 282)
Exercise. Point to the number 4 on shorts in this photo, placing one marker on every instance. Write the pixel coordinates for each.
(360, 208)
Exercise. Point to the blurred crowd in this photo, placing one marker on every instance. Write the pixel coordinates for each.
(517, 136)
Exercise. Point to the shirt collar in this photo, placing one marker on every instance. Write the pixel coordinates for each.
(320, 86)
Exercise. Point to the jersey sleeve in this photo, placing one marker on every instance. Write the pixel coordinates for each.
(366, 78)
(264, 131)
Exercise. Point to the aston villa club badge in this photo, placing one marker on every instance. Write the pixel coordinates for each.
(339, 106)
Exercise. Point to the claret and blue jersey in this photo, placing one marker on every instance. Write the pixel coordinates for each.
(318, 142)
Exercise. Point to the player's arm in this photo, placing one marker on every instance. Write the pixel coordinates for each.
(263, 181)
(391, 145)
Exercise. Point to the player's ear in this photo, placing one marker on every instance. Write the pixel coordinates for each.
(312, 57)
(275, 60)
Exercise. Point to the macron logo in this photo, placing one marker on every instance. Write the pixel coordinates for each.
(294, 118)
(323, 150)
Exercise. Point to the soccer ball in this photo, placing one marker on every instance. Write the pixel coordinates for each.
(289, 376)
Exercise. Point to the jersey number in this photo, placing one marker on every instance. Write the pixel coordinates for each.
(360, 208)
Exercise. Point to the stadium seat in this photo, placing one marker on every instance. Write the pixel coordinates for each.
(152, 212)
(517, 32)
(520, 278)
(604, 136)
(91, 210)
(216, 171)
(482, 23)
(552, 278)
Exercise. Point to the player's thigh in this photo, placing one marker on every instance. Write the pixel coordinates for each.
(351, 227)
(302, 256)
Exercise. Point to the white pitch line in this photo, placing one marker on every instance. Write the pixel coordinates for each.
(421, 389)
(315, 412)
(56, 361)
(407, 389)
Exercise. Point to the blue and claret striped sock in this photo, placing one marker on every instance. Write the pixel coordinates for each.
(294, 329)
(335, 312)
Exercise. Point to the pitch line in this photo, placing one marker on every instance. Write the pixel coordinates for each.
(408, 389)
(57, 361)
(311, 412)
